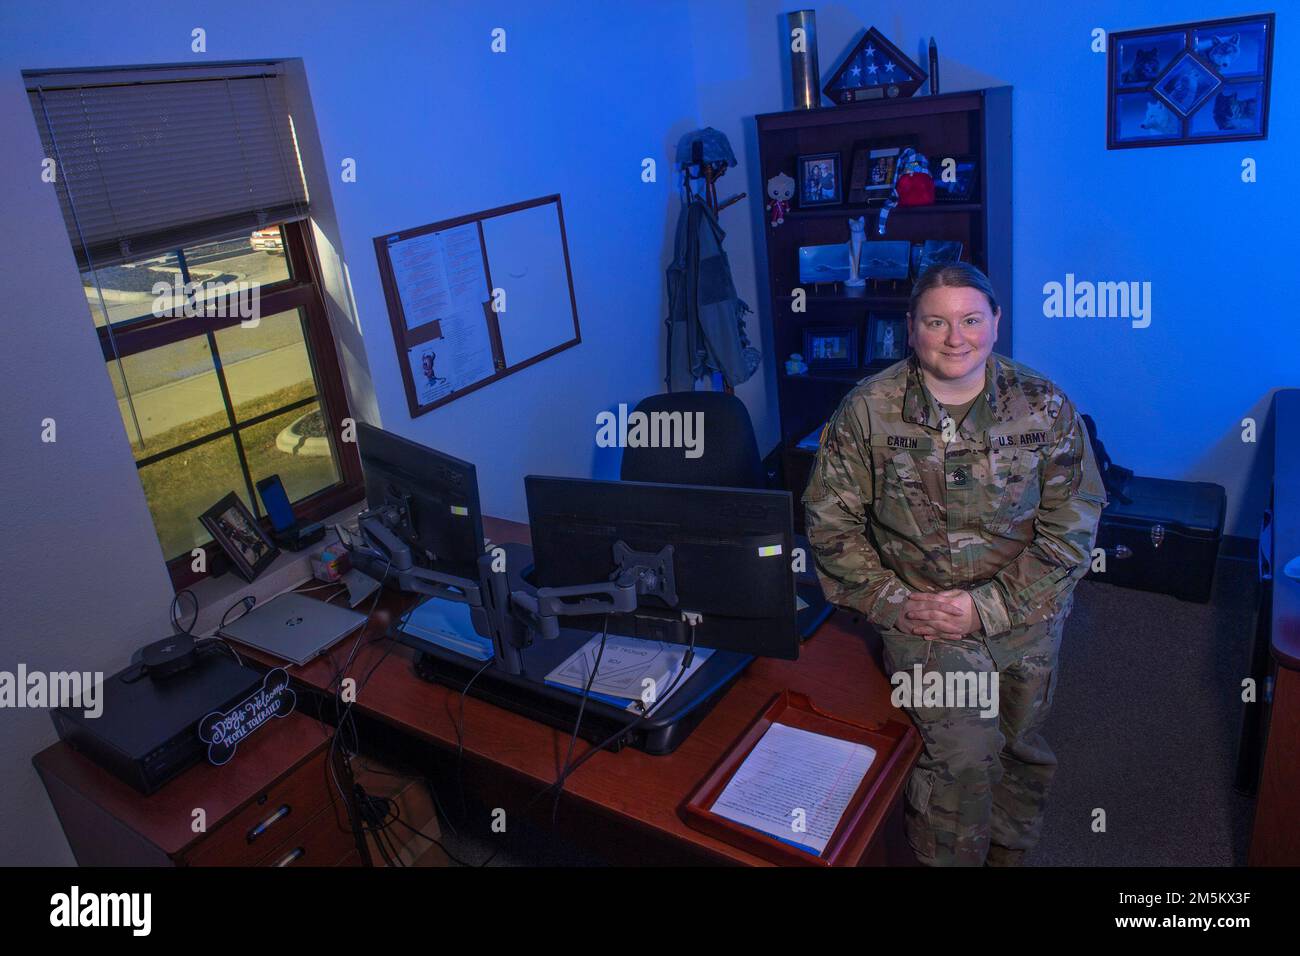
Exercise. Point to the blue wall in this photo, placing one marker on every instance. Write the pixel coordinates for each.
(1169, 399)
(440, 126)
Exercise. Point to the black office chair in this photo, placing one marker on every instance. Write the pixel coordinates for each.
(730, 456)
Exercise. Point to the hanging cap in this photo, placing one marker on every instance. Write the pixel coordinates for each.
(713, 145)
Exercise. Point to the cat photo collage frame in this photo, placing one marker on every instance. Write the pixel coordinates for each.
(1204, 82)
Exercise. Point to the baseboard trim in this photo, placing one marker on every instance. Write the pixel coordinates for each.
(1238, 548)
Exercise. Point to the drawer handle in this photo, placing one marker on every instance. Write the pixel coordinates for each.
(295, 854)
(266, 824)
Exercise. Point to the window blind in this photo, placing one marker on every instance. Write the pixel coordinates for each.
(152, 160)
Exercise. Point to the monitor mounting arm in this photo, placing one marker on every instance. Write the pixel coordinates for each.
(385, 554)
(637, 574)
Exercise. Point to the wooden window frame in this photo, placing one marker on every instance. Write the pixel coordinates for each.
(302, 291)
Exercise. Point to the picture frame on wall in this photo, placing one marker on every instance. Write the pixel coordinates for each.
(233, 527)
(830, 347)
(820, 180)
(1202, 82)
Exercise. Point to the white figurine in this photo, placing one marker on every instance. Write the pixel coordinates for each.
(857, 235)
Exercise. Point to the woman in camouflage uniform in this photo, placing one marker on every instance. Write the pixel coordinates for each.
(954, 503)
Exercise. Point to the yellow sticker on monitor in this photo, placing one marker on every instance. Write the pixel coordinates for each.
(460, 510)
(769, 551)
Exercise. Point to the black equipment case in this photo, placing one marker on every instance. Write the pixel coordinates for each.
(1164, 538)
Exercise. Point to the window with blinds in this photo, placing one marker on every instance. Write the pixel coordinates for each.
(186, 205)
(152, 160)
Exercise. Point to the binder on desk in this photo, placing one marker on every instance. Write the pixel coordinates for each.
(888, 749)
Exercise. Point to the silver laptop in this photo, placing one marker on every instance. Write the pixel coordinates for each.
(294, 626)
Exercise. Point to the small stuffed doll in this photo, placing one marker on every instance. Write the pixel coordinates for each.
(781, 188)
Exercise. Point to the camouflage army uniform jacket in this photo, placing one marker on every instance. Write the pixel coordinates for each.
(1006, 510)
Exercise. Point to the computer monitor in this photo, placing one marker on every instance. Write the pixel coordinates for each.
(730, 560)
(428, 499)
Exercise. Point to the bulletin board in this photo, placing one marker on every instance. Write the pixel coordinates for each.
(476, 298)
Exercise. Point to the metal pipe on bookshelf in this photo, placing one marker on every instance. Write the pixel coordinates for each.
(805, 74)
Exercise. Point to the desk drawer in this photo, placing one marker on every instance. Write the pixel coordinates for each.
(282, 809)
(322, 842)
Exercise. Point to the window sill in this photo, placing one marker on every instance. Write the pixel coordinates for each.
(217, 595)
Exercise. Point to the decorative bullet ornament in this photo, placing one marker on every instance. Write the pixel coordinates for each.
(805, 73)
(874, 69)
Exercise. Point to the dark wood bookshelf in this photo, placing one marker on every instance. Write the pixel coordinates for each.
(974, 123)
(850, 211)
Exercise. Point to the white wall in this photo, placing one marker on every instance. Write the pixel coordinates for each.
(438, 126)
(82, 576)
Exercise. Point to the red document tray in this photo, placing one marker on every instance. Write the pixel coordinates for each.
(896, 743)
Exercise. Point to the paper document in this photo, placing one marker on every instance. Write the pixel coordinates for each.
(460, 358)
(360, 586)
(795, 785)
(440, 275)
(633, 673)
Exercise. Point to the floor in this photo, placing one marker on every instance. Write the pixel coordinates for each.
(1145, 724)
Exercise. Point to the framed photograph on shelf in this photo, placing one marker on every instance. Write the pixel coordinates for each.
(830, 346)
(1187, 83)
(885, 259)
(886, 337)
(234, 528)
(934, 251)
(820, 180)
(873, 169)
(828, 263)
(955, 178)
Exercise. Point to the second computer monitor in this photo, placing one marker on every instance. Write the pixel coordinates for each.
(731, 556)
(438, 493)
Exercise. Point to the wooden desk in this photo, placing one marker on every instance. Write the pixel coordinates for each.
(633, 791)
(280, 775)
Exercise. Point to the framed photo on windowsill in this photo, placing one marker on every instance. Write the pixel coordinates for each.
(240, 536)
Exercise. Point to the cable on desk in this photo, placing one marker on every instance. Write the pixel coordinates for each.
(427, 781)
(337, 685)
(460, 738)
(214, 639)
(627, 728)
(577, 724)
(378, 814)
(247, 601)
(186, 629)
